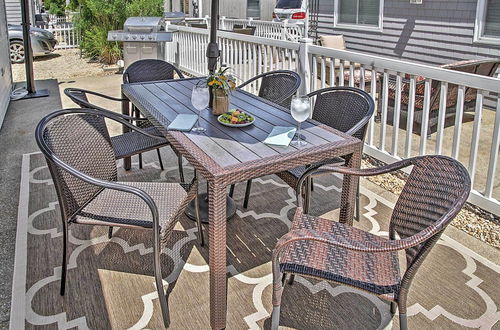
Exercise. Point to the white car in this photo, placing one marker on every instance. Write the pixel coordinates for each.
(42, 42)
(292, 10)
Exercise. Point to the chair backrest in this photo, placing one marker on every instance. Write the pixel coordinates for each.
(199, 25)
(437, 186)
(150, 70)
(78, 138)
(277, 86)
(333, 41)
(346, 109)
(480, 67)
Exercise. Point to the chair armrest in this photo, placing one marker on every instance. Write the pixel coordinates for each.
(110, 185)
(318, 170)
(120, 118)
(346, 243)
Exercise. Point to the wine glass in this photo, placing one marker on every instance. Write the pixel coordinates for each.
(200, 98)
(301, 111)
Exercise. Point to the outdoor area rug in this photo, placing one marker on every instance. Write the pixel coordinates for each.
(110, 282)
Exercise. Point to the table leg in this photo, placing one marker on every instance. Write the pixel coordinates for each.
(127, 162)
(349, 186)
(217, 254)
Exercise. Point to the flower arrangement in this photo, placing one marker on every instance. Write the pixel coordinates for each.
(222, 80)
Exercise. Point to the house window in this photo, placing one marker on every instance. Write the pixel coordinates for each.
(359, 13)
(253, 8)
(487, 22)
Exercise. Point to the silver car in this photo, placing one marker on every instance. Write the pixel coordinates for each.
(42, 42)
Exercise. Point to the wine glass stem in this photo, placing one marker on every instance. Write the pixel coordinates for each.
(298, 134)
(198, 121)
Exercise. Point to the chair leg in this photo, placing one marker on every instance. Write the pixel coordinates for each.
(110, 232)
(159, 280)
(181, 168)
(231, 190)
(198, 220)
(357, 205)
(403, 321)
(277, 293)
(140, 161)
(247, 193)
(291, 279)
(64, 259)
(394, 307)
(312, 185)
(307, 199)
(159, 159)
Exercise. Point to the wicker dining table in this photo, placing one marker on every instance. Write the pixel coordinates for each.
(225, 155)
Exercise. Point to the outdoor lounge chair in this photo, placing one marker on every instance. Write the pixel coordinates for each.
(80, 157)
(130, 143)
(434, 193)
(346, 109)
(480, 67)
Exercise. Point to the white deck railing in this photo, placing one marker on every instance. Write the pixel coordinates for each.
(66, 34)
(267, 29)
(415, 90)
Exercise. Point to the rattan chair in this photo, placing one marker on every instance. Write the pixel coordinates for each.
(150, 70)
(79, 154)
(434, 193)
(130, 143)
(346, 109)
(276, 86)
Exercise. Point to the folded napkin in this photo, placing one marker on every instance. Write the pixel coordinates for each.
(183, 122)
(280, 136)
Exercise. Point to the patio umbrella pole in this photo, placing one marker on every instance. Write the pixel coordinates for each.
(213, 48)
(28, 55)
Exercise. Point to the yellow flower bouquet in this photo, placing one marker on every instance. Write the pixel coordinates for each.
(222, 80)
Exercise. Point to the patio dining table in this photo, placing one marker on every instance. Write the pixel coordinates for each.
(225, 155)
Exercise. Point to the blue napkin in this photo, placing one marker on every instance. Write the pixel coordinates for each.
(280, 136)
(183, 122)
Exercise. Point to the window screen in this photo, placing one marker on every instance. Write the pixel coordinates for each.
(362, 12)
(253, 8)
(492, 19)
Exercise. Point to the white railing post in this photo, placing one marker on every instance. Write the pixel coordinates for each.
(223, 22)
(284, 30)
(304, 66)
(250, 20)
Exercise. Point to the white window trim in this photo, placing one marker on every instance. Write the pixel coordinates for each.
(378, 28)
(479, 25)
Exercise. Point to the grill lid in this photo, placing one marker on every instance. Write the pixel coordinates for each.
(143, 24)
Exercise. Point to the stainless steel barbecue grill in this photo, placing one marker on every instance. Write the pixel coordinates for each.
(143, 38)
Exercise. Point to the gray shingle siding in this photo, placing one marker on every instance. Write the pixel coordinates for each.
(435, 32)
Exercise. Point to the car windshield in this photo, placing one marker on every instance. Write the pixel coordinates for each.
(288, 4)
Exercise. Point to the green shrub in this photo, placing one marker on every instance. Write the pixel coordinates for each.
(97, 17)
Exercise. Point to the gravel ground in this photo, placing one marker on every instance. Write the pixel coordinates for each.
(475, 222)
(61, 64)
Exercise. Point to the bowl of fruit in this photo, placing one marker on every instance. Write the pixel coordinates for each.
(236, 118)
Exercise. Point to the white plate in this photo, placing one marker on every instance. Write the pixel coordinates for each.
(235, 125)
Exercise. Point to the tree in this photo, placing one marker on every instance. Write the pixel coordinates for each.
(55, 7)
(97, 17)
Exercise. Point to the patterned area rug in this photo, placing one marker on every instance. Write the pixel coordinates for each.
(110, 281)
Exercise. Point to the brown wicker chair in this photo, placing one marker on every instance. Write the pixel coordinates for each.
(130, 143)
(480, 67)
(80, 158)
(278, 87)
(346, 109)
(434, 193)
(151, 70)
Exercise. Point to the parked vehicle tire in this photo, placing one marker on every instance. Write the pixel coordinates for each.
(16, 51)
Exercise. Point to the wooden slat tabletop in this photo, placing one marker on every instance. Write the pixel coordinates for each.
(162, 101)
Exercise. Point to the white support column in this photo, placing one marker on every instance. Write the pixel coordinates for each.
(304, 69)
